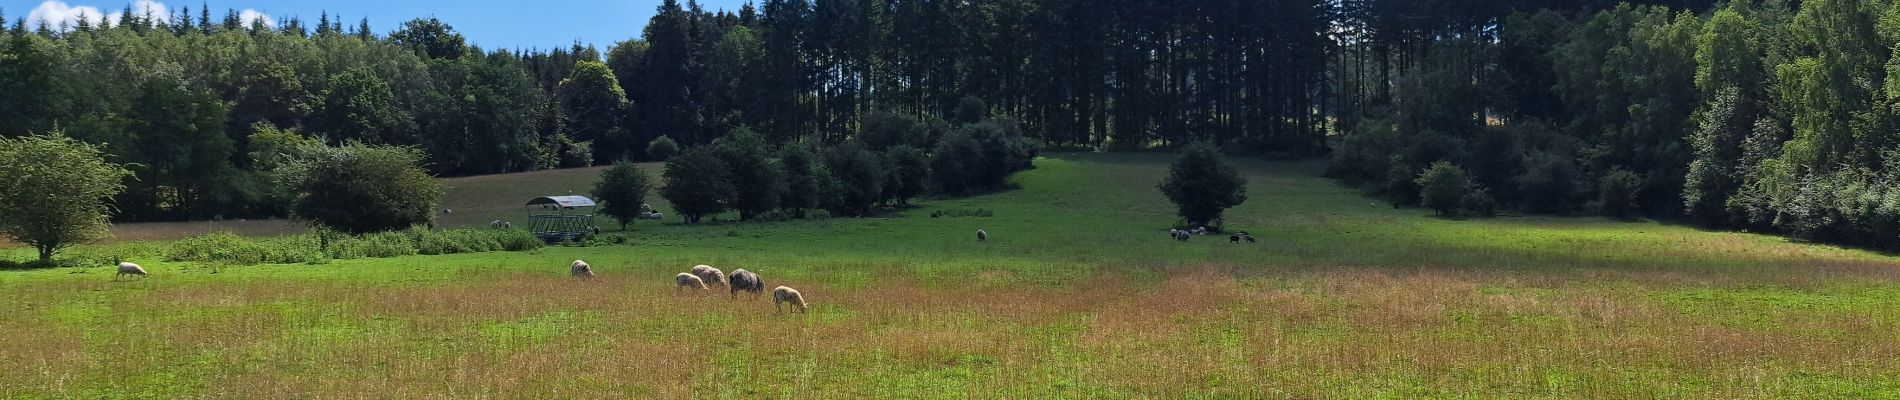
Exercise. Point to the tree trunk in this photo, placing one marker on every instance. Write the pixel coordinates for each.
(46, 253)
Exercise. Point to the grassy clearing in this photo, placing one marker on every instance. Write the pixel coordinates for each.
(1078, 295)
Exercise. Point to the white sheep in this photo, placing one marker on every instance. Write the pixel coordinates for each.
(982, 236)
(126, 268)
(580, 269)
(788, 295)
(687, 281)
(712, 276)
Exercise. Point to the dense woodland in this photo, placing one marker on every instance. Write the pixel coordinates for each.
(1770, 115)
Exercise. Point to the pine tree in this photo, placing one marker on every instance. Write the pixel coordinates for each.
(363, 32)
(204, 18)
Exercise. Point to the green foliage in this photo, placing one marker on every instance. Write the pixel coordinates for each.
(622, 190)
(696, 184)
(56, 191)
(970, 110)
(1203, 185)
(1443, 188)
(756, 181)
(181, 155)
(373, 245)
(806, 179)
(858, 174)
(885, 129)
(360, 188)
(1617, 192)
(431, 38)
(1479, 202)
(271, 147)
(662, 149)
(907, 172)
(593, 102)
(226, 248)
(360, 106)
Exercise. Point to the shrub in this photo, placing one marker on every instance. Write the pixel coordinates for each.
(1480, 203)
(222, 247)
(696, 184)
(361, 189)
(805, 177)
(859, 176)
(1203, 185)
(662, 148)
(377, 245)
(1618, 191)
(230, 249)
(907, 173)
(623, 190)
(756, 181)
(1443, 187)
(952, 161)
(885, 129)
(54, 191)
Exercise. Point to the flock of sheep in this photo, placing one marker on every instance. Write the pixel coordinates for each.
(701, 275)
(1185, 234)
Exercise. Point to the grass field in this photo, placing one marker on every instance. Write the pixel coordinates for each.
(1078, 294)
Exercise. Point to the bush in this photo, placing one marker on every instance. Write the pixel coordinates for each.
(805, 177)
(907, 173)
(696, 184)
(885, 129)
(756, 181)
(1618, 191)
(361, 189)
(230, 249)
(623, 192)
(662, 149)
(1443, 188)
(377, 245)
(859, 176)
(1480, 203)
(1203, 185)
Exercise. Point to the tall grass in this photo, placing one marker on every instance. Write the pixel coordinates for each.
(1077, 294)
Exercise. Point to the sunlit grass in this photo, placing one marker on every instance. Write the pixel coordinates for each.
(1077, 295)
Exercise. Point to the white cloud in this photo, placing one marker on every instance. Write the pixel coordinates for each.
(249, 15)
(59, 15)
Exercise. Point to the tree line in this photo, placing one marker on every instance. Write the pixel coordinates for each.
(180, 99)
(1769, 115)
(1766, 115)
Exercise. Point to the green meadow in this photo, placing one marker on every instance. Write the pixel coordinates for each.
(1079, 293)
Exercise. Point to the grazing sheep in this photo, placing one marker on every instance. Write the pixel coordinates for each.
(653, 216)
(1182, 236)
(1249, 239)
(1172, 233)
(745, 280)
(126, 268)
(788, 295)
(580, 269)
(982, 236)
(687, 281)
(1234, 238)
(712, 276)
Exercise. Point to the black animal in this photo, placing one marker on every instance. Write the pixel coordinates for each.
(1249, 239)
(1235, 238)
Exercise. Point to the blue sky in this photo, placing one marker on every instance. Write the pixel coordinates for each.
(489, 23)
